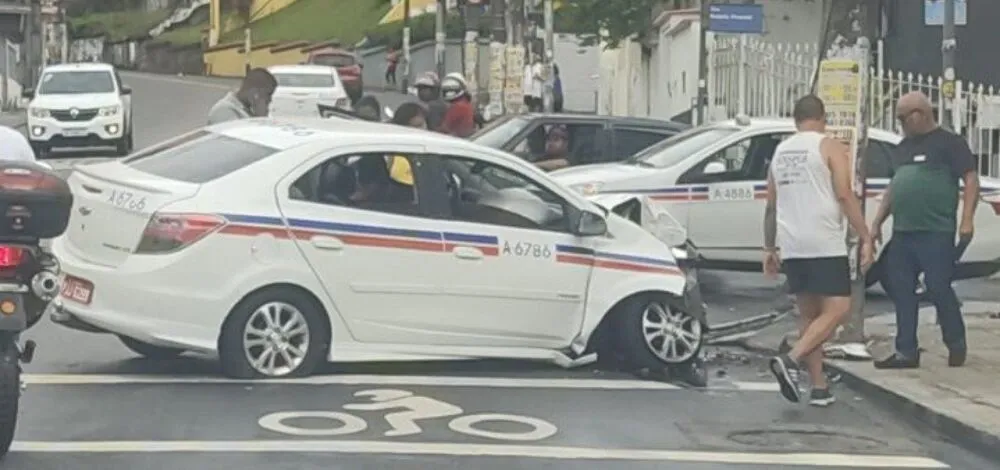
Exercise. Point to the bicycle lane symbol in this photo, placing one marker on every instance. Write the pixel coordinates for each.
(412, 408)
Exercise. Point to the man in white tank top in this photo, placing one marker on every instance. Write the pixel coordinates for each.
(808, 197)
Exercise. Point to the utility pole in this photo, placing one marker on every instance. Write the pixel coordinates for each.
(247, 37)
(439, 37)
(948, 46)
(33, 53)
(550, 58)
(406, 47)
(498, 39)
(702, 104)
(472, 12)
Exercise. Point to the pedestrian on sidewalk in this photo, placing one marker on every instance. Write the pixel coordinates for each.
(253, 99)
(391, 62)
(557, 90)
(808, 197)
(922, 197)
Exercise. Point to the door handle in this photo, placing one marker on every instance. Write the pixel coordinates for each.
(465, 252)
(327, 243)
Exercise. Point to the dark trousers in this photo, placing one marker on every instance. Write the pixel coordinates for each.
(932, 253)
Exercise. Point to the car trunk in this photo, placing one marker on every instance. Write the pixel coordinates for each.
(301, 101)
(112, 205)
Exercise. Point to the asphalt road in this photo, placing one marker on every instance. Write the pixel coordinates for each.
(92, 404)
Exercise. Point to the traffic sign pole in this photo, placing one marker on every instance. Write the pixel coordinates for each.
(948, 46)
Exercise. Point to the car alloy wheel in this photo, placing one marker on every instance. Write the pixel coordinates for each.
(276, 339)
(671, 335)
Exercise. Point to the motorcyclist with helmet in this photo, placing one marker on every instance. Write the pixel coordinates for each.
(459, 120)
(429, 92)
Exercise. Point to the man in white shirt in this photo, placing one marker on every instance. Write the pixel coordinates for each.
(808, 197)
(15, 146)
(532, 84)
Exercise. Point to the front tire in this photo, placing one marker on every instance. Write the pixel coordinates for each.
(10, 395)
(275, 332)
(148, 350)
(653, 333)
(41, 150)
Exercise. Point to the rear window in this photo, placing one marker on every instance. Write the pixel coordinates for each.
(333, 60)
(198, 157)
(305, 80)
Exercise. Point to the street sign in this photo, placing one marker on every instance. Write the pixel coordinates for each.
(934, 12)
(736, 19)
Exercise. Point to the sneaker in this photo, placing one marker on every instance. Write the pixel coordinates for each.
(899, 361)
(786, 372)
(821, 397)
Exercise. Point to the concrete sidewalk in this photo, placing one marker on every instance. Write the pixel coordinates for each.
(961, 403)
(14, 118)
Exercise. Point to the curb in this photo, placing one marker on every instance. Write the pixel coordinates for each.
(976, 440)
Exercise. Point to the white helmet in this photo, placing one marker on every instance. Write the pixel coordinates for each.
(454, 86)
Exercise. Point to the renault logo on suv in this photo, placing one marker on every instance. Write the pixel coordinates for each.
(74, 112)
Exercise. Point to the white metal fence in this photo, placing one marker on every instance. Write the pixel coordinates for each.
(748, 76)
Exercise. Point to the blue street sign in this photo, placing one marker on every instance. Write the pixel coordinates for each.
(738, 19)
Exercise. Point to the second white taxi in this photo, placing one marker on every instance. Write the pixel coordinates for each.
(713, 180)
(281, 244)
(303, 89)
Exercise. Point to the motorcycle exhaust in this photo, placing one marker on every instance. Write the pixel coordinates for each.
(45, 285)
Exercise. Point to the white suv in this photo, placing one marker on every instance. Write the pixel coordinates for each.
(79, 105)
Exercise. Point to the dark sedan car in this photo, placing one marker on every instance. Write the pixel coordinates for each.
(592, 138)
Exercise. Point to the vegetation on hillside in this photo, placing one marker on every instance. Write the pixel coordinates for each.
(315, 20)
(116, 25)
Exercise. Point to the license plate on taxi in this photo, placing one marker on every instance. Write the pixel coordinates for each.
(75, 132)
(77, 290)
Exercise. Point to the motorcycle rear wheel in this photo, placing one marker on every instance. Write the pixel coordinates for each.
(10, 395)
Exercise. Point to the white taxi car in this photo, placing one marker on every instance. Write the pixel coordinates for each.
(713, 179)
(302, 89)
(79, 105)
(278, 244)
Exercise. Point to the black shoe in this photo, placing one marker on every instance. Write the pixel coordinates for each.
(956, 357)
(786, 372)
(898, 361)
(821, 397)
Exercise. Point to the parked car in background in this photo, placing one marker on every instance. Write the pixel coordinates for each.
(303, 88)
(592, 138)
(348, 66)
(714, 179)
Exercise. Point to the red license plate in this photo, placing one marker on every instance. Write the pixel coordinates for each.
(77, 290)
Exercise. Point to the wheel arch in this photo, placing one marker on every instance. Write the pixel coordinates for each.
(600, 338)
(313, 298)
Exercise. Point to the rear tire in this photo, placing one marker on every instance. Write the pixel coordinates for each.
(10, 395)
(310, 336)
(639, 315)
(148, 350)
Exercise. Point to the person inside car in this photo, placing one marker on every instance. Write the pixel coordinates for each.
(556, 150)
(411, 115)
(460, 120)
(375, 185)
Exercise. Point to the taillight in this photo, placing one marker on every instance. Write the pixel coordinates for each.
(10, 256)
(22, 179)
(168, 232)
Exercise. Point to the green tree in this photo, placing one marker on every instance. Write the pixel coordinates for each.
(608, 21)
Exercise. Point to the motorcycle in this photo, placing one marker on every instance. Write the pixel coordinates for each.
(34, 205)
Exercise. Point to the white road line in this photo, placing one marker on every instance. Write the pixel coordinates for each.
(182, 81)
(480, 450)
(412, 380)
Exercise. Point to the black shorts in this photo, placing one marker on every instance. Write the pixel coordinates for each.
(828, 277)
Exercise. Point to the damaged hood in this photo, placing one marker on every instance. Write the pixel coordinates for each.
(647, 213)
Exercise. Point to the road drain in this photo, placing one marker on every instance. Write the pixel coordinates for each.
(803, 439)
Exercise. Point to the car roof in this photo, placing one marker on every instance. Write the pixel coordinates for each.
(787, 124)
(303, 68)
(619, 120)
(80, 66)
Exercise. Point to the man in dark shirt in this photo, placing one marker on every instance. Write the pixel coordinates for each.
(930, 166)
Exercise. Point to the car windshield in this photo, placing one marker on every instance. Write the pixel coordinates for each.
(305, 80)
(675, 149)
(333, 60)
(61, 83)
(499, 132)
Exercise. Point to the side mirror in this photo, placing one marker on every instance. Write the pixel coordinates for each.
(714, 168)
(28, 93)
(590, 224)
(126, 90)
